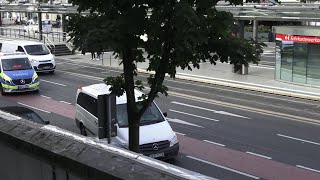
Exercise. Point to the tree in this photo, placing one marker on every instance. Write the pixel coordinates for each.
(181, 34)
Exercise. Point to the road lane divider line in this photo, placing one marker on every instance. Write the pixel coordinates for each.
(259, 155)
(65, 102)
(218, 144)
(194, 115)
(298, 139)
(247, 108)
(182, 122)
(221, 103)
(310, 169)
(45, 96)
(180, 133)
(34, 107)
(211, 110)
(223, 167)
(53, 82)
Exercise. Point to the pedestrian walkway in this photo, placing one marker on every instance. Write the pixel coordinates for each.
(260, 78)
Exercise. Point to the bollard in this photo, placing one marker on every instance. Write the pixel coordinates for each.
(110, 60)
(244, 69)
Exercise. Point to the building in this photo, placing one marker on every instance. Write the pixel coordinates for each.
(298, 54)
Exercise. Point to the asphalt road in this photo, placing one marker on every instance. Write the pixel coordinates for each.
(225, 133)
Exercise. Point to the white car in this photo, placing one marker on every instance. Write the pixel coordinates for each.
(157, 139)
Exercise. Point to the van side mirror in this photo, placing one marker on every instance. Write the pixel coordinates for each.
(165, 114)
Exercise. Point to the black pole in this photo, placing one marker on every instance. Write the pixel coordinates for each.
(40, 25)
(102, 116)
(64, 28)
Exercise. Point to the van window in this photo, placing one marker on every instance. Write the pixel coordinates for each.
(20, 49)
(151, 116)
(88, 103)
(38, 49)
(15, 64)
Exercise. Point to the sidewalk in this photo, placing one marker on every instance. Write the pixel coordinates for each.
(259, 78)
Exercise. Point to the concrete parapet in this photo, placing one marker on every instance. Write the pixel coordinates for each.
(41, 152)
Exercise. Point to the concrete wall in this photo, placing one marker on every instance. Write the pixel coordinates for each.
(31, 151)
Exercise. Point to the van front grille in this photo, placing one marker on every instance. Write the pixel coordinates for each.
(21, 81)
(153, 147)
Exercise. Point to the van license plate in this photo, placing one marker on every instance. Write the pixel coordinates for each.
(46, 67)
(157, 155)
(23, 87)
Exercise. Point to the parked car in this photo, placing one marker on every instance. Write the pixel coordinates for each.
(157, 139)
(25, 113)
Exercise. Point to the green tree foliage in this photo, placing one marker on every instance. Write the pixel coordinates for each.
(181, 34)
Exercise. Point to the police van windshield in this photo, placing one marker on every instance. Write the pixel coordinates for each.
(38, 49)
(15, 64)
(151, 116)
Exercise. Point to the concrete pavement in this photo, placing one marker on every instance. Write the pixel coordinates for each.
(260, 78)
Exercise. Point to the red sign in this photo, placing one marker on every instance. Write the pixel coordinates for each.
(299, 39)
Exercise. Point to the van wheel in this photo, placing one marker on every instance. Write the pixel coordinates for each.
(83, 130)
(2, 92)
(51, 72)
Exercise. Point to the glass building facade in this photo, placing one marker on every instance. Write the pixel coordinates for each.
(298, 59)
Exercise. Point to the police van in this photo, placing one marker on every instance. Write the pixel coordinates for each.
(17, 74)
(157, 139)
(39, 54)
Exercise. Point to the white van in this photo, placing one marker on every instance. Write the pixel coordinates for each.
(157, 139)
(39, 54)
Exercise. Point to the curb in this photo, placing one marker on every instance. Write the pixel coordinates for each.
(246, 86)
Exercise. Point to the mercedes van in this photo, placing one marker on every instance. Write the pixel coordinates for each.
(157, 139)
(17, 74)
(39, 54)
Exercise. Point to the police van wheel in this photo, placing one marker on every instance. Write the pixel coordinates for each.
(2, 92)
(83, 130)
(51, 72)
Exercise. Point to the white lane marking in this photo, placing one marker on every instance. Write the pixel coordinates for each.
(310, 169)
(199, 85)
(180, 133)
(223, 167)
(34, 108)
(259, 155)
(82, 76)
(65, 102)
(214, 143)
(298, 139)
(53, 82)
(193, 115)
(211, 110)
(45, 96)
(183, 122)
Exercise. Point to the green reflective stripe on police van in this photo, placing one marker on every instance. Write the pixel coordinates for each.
(4, 76)
(34, 85)
(9, 87)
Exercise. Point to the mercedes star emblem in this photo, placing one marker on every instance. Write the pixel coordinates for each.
(155, 146)
(22, 81)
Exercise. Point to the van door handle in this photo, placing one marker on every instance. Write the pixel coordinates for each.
(96, 122)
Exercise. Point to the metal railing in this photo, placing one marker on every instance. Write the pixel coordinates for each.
(19, 33)
(48, 43)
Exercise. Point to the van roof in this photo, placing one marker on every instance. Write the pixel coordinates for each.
(12, 55)
(22, 43)
(100, 89)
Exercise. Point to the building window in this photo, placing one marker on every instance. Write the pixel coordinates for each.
(286, 60)
(313, 66)
(299, 66)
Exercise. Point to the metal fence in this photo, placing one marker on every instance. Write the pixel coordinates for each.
(19, 33)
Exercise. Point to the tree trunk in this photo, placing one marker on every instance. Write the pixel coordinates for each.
(132, 110)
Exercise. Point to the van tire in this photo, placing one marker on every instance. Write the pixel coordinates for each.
(2, 92)
(51, 72)
(83, 130)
